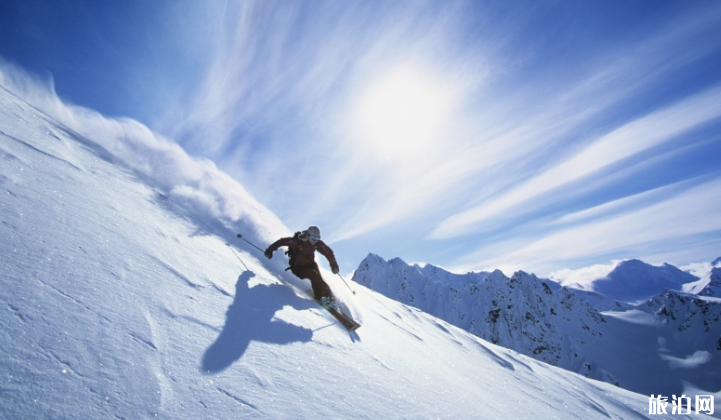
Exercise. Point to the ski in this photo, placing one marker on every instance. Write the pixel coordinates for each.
(345, 320)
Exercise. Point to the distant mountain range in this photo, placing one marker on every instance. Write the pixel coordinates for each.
(635, 281)
(634, 328)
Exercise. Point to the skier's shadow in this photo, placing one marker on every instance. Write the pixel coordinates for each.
(250, 318)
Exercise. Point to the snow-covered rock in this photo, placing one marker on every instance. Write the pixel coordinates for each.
(696, 320)
(713, 288)
(532, 316)
(688, 335)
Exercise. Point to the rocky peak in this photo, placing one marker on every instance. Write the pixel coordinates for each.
(534, 316)
(713, 288)
(696, 320)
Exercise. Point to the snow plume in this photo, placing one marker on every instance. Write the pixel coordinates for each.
(195, 184)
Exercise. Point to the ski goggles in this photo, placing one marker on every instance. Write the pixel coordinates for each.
(314, 238)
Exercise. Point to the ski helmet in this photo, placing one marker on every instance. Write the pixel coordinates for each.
(313, 233)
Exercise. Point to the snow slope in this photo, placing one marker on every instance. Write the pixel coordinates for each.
(124, 294)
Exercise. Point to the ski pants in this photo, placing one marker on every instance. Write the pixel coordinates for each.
(312, 273)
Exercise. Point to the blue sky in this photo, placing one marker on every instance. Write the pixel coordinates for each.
(472, 135)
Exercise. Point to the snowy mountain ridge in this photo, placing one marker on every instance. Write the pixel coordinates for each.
(490, 305)
(564, 327)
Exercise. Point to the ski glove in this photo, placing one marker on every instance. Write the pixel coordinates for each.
(269, 253)
(335, 270)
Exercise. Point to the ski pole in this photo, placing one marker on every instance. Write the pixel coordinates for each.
(251, 243)
(346, 283)
(239, 259)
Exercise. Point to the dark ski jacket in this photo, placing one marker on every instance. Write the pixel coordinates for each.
(302, 252)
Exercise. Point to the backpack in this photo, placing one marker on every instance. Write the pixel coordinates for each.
(297, 246)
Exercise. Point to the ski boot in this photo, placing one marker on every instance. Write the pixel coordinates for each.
(330, 302)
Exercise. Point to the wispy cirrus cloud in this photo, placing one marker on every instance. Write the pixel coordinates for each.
(630, 139)
(615, 233)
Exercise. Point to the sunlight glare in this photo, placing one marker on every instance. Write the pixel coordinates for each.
(403, 113)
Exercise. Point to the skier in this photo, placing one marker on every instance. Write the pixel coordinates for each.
(301, 250)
